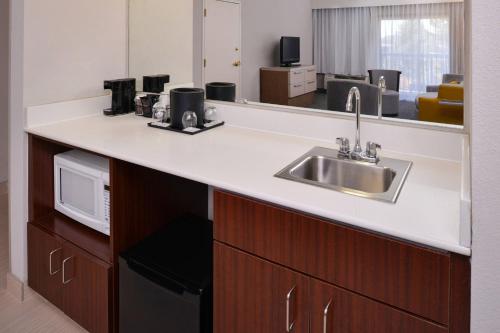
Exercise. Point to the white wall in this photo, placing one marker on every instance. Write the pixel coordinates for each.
(60, 50)
(71, 47)
(4, 88)
(370, 3)
(485, 129)
(161, 39)
(263, 24)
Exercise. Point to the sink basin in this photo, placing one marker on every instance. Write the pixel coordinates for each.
(323, 167)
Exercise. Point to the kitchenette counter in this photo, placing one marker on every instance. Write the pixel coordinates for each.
(245, 161)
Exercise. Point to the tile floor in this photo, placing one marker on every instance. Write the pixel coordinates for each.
(35, 314)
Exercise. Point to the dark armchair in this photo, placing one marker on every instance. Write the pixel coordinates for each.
(337, 91)
(391, 77)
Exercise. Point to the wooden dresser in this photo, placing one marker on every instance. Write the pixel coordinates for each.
(294, 86)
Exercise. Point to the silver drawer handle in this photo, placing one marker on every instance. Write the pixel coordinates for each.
(64, 281)
(297, 86)
(310, 82)
(289, 326)
(51, 272)
(325, 316)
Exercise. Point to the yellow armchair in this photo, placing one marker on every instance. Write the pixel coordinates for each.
(447, 107)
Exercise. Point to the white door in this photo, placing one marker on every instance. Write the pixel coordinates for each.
(222, 42)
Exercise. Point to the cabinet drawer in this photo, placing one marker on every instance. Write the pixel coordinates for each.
(310, 86)
(412, 278)
(311, 74)
(296, 90)
(297, 76)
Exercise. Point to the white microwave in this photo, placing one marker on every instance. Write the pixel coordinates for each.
(81, 188)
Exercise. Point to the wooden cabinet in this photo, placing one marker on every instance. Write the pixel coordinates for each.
(255, 296)
(90, 296)
(45, 264)
(336, 310)
(400, 286)
(70, 278)
(403, 275)
(86, 289)
(294, 86)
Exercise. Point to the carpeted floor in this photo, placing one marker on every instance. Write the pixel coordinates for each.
(407, 109)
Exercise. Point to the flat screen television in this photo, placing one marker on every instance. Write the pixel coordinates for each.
(289, 50)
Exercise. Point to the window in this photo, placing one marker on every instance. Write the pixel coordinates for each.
(421, 47)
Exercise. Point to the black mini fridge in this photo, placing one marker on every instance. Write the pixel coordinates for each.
(166, 280)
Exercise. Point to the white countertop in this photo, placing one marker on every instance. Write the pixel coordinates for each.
(245, 161)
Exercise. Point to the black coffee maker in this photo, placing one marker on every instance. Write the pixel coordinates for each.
(123, 94)
(154, 83)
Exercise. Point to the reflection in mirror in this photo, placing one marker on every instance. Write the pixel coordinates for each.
(161, 43)
(406, 57)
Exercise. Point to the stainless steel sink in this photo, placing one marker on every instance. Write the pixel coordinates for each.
(326, 168)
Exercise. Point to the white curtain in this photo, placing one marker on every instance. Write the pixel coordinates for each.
(422, 41)
(341, 40)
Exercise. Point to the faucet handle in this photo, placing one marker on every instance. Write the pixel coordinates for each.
(345, 147)
(372, 149)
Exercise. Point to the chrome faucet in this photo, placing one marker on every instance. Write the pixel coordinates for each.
(381, 90)
(370, 155)
(357, 153)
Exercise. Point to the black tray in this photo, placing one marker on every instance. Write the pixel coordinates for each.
(208, 126)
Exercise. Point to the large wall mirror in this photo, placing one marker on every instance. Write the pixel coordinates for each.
(161, 39)
(407, 57)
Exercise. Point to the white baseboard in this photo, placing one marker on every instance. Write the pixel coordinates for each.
(15, 287)
(4, 188)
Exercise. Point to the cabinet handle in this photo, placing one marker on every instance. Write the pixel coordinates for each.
(289, 326)
(64, 281)
(51, 272)
(325, 316)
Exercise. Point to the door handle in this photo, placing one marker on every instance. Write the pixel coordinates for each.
(325, 316)
(289, 326)
(64, 281)
(51, 272)
(237, 63)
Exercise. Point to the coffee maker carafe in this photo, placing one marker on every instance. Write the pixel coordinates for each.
(123, 94)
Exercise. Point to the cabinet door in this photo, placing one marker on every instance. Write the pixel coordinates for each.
(254, 296)
(86, 289)
(44, 264)
(337, 310)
